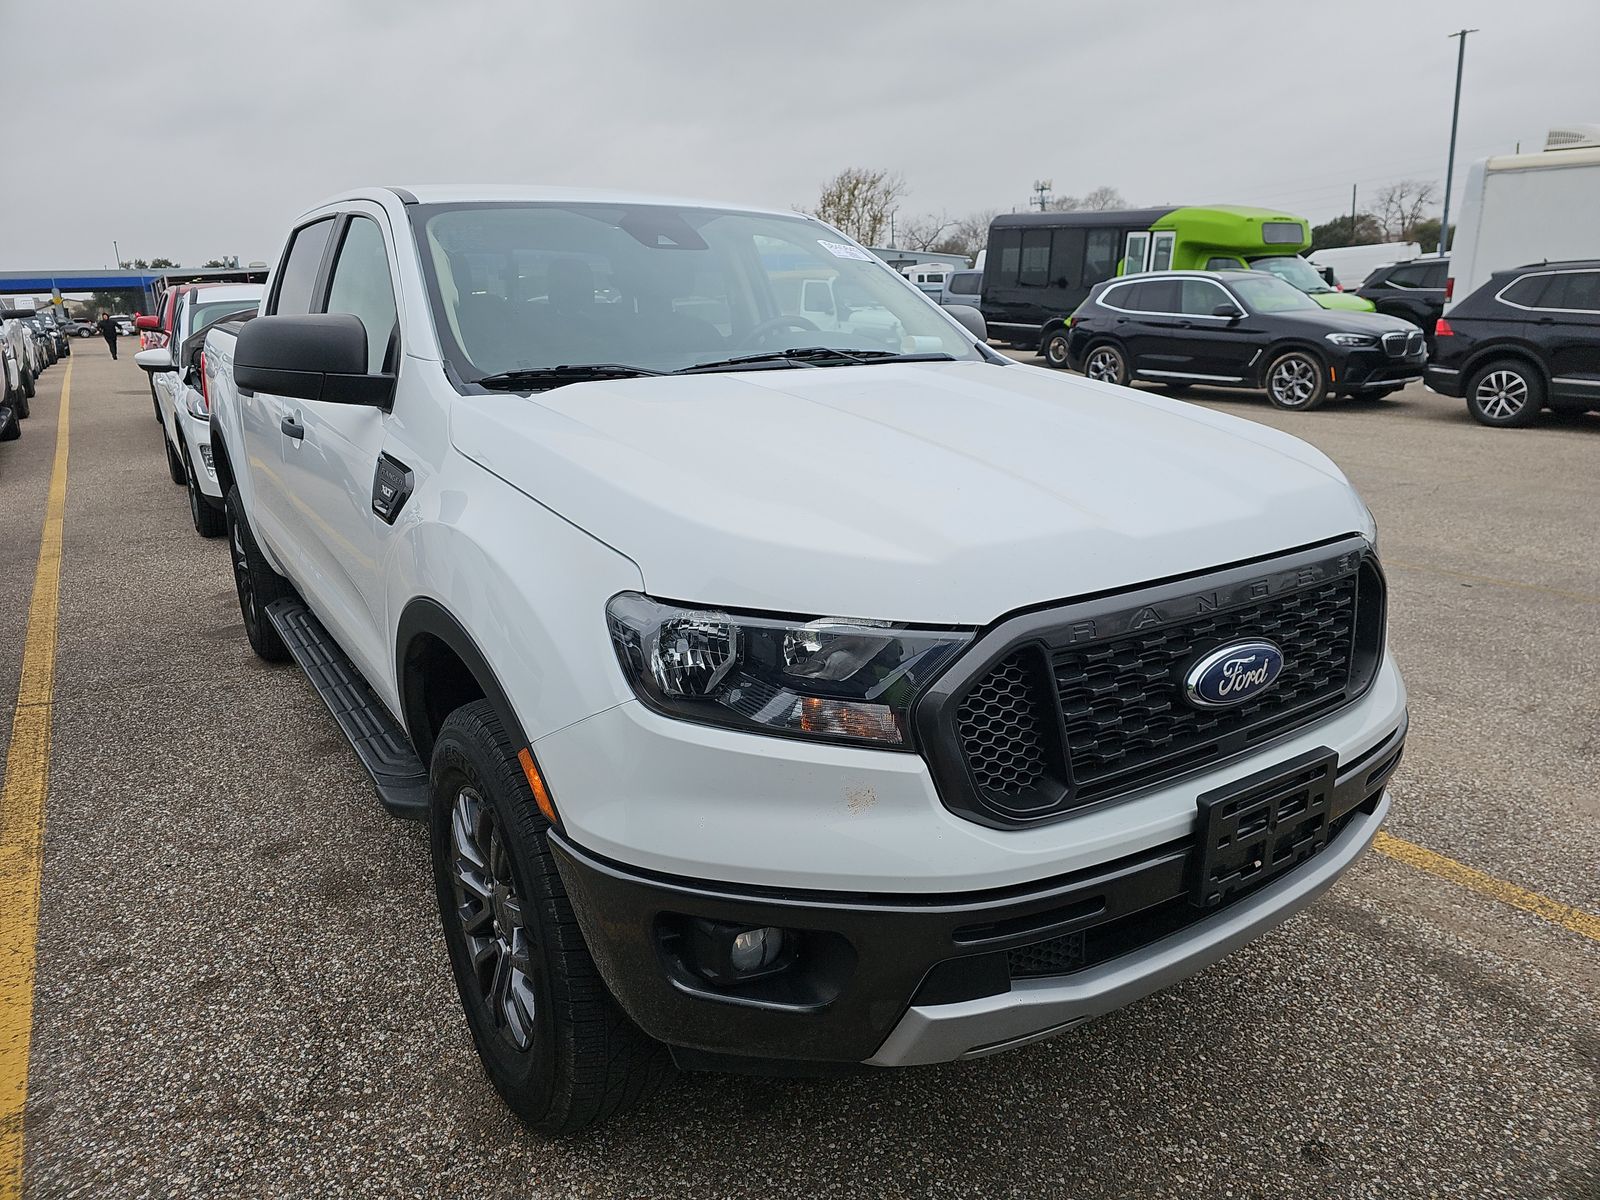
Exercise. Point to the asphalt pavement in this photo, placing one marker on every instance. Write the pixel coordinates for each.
(242, 991)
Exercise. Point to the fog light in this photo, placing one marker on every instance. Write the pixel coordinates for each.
(726, 954)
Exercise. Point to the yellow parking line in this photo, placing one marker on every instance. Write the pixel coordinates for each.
(1575, 920)
(1494, 581)
(22, 819)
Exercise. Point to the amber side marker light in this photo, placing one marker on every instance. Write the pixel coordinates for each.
(541, 793)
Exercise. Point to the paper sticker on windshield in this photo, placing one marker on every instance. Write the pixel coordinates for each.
(840, 250)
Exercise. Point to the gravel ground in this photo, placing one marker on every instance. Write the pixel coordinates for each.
(242, 990)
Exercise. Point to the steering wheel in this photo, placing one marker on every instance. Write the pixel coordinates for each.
(759, 333)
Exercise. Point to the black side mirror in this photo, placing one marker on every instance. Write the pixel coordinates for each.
(1231, 311)
(322, 356)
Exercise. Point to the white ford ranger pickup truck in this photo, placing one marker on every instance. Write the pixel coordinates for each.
(784, 696)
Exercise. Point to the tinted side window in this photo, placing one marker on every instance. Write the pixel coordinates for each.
(298, 274)
(1224, 264)
(1035, 258)
(1436, 275)
(1005, 252)
(1161, 296)
(966, 283)
(1411, 275)
(1573, 291)
(361, 285)
(1122, 295)
(1066, 258)
(1528, 291)
(1200, 297)
(1099, 256)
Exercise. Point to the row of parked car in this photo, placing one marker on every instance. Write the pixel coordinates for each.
(30, 343)
(1528, 339)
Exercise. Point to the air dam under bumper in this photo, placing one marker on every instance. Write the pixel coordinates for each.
(901, 980)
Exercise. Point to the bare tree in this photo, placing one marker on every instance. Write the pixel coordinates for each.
(925, 232)
(1403, 206)
(859, 202)
(970, 234)
(1099, 200)
(1103, 199)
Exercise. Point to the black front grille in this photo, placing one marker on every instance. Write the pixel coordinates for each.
(1001, 725)
(1123, 704)
(1401, 344)
(1056, 956)
(1089, 701)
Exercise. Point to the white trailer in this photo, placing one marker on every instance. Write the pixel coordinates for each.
(1528, 208)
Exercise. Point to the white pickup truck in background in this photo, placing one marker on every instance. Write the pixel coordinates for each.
(787, 685)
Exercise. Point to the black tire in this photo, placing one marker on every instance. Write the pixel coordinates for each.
(27, 388)
(1296, 381)
(1505, 394)
(1054, 349)
(21, 404)
(208, 522)
(1107, 363)
(175, 466)
(575, 1058)
(10, 427)
(257, 583)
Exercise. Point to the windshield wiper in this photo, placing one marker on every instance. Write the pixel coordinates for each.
(813, 356)
(556, 376)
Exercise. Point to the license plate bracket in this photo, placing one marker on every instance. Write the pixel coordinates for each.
(1261, 826)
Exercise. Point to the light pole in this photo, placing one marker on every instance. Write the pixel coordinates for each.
(1455, 118)
(116, 255)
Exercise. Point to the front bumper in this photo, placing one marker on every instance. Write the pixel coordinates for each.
(1374, 368)
(197, 436)
(908, 979)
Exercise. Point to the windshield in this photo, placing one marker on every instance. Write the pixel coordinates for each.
(1267, 294)
(1294, 270)
(519, 287)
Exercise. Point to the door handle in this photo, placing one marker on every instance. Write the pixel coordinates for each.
(293, 428)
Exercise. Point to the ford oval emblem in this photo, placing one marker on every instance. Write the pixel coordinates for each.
(1232, 674)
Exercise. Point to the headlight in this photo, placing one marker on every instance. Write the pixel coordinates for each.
(837, 680)
(1351, 339)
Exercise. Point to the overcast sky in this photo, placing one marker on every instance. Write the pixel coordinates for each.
(197, 129)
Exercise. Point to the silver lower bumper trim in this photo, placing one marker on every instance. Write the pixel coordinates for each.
(1039, 1008)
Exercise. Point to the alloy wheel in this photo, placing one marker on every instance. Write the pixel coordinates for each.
(1502, 395)
(1104, 364)
(491, 916)
(1293, 382)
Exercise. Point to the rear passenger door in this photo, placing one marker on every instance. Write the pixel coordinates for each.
(261, 414)
(331, 462)
(1566, 324)
(1215, 347)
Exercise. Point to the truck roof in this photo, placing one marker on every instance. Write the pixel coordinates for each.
(467, 193)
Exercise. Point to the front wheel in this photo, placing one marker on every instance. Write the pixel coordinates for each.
(1297, 381)
(554, 1043)
(174, 461)
(1107, 364)
(257, 583)
(1505, 394)
(20, 402)
(1055, 350)
(27, 390)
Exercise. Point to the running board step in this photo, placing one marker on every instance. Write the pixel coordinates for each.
(379, 742)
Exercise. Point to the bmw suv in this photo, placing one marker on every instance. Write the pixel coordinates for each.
(1528, 338)
(1241, 329)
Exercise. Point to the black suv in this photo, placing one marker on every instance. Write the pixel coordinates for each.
(1243, 329)
(1527, 338)
(1413, 290)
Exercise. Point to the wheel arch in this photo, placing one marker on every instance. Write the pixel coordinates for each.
(1277, 350)
(1484, 355)
(439, 668)
(221, 461)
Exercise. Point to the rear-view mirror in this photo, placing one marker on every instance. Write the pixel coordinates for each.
(322, 356)
(154, 360)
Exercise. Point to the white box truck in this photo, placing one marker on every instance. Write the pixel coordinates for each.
(1528, 208)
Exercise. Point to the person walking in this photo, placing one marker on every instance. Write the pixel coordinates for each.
(108, 330)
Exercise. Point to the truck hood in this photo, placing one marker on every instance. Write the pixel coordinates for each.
(945, 493)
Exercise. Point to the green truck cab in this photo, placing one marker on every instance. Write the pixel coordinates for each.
(1227, 237)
